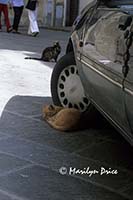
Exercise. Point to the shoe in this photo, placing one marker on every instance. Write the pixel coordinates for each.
(16, 32)
(9, 30)
(34, 34)
(0, 30)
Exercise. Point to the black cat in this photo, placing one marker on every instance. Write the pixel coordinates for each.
(49, 53)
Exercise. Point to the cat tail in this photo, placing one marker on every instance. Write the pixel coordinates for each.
(32, 58)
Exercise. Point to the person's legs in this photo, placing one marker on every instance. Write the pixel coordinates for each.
(5, 11)
(17, 16)
(29, 16)
(36, 28)
(33, 27)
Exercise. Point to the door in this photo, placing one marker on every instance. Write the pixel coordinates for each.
(72, 11)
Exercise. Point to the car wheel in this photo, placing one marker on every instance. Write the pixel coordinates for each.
(66, 86)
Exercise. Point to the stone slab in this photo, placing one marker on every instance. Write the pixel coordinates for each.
(112, 153)
(9, 163)
(38, 183)
(39, 131)
(54, 159)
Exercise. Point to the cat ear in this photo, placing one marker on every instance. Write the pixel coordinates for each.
(51, 107)
(56, 43)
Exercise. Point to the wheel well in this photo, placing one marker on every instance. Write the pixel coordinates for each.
(69, 46)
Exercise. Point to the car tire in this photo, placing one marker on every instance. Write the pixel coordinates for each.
(66, 86)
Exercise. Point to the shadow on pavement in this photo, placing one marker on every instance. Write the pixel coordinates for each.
(23, 42)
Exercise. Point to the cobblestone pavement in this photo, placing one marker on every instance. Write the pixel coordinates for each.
(38, 162)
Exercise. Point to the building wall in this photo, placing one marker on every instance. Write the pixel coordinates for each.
(54, 12)
(59, 16)
(24, 19)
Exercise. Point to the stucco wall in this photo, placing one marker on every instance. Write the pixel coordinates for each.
(24, 19)
(42, 11)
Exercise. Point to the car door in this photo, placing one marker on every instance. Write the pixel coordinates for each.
(128, 89)
(102, 60)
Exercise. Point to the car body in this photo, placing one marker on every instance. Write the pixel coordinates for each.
(101, 42)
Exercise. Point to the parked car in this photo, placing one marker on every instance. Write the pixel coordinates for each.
(97, 69)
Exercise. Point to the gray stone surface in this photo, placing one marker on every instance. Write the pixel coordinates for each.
(29, 123)
(129, 190)
(40, 132)
(37, 183)
(112, 153)
(26, 105)
(32, 140)
(9, 163)
(5, 197)
(24, 42)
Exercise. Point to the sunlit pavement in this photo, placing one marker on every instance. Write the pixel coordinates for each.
(25, 77)
(39, 163)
